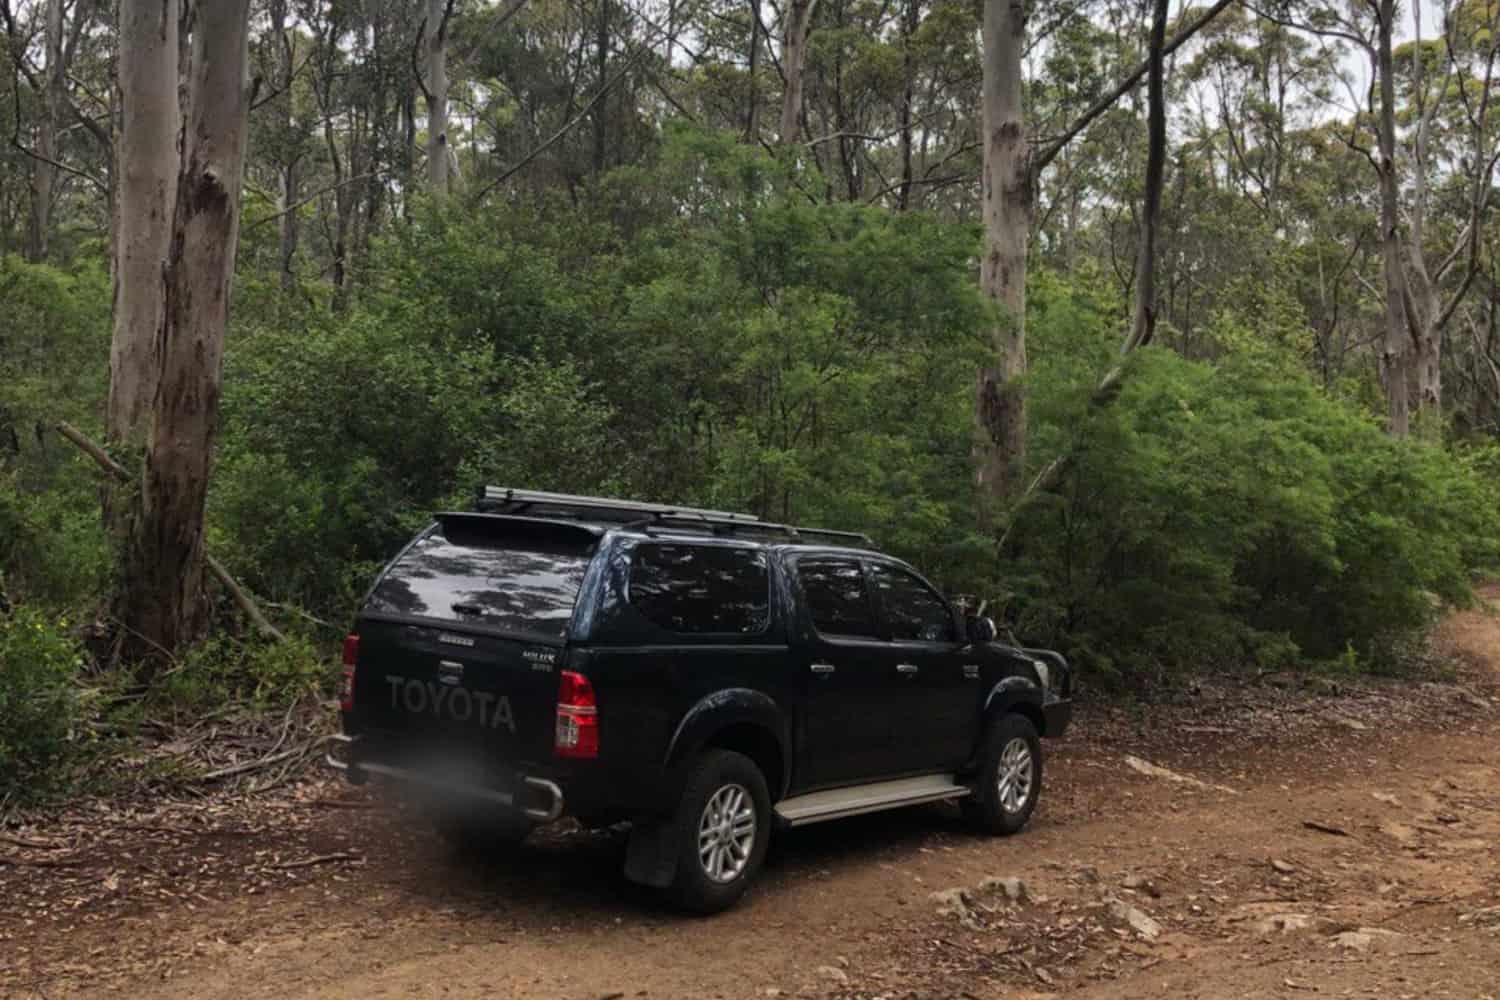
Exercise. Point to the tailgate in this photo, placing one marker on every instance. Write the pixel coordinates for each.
(461, 638)
(430, 685)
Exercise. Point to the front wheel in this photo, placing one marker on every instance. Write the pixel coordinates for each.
(720, 831)
(1010, 776)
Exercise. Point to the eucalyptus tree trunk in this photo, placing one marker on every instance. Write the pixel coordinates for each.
(162, 605)
(1395, 362)
(1006, 205)
(51, 99)
(910, 19)
(290, 178)
(1428, 314)
(601, 76)
(147, 191)
(793, 57)
(1144, 327)
(752, 117)
(437, 95)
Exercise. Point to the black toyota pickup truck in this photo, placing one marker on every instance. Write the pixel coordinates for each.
(706, 676)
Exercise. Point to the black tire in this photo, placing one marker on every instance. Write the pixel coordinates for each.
(1005, 811)
(721, 777)
(478, 833)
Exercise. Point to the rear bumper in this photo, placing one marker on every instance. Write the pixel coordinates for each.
(1056, 715)
(538, 799)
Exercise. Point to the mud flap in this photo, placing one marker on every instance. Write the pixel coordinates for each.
(650, 856)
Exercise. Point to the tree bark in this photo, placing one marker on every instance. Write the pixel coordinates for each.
(793, 56)
(601, 75)
(290, 179)
(437, 95)
(752, 117)
(162, 605)
(1006, 201)
(1394, 357)
(1156, 159)
(50, 100)
(910, 19)
(148, 165)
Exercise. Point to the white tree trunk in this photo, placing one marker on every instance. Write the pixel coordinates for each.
(162, 606)
(437, 96)
(1000, 407)
(793, 55)
(1395, 363)
(147, 166)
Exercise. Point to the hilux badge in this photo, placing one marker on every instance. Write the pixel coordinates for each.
(455, 640)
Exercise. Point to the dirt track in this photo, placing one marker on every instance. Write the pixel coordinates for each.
(1397, 895)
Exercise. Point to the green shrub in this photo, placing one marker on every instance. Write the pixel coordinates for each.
(222, 670)
(1232, 514)
(39, 704)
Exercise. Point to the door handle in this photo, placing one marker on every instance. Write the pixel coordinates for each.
(906, 668)
(821, 668)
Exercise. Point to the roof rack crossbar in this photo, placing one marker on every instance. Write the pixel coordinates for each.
(497, 499)
(853, 539)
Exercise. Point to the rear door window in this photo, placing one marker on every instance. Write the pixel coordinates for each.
(837, 597)
(505, 580)
(688, 588)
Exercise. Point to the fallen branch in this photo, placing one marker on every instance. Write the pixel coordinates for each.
(1151, 770)
(1336, 831)
(256, 765)
(240, 596)
(40, 845)
(68, 862)
(322, 859)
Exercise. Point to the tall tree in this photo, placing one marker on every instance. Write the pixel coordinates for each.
(1395, 361)
(1144, 326)
(44, 169)
(439, 174)
(148, 161)
(799, 17)
(1429, 309)
(1005, 203)
(1007, 191)
(162, 603)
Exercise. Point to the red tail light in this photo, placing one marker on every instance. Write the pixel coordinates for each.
(346, 687)
(577, 717)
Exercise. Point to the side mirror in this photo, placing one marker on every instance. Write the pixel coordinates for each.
(980, 629)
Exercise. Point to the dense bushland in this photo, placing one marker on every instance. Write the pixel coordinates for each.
(699, 330)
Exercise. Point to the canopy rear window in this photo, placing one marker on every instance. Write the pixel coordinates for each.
(515, 577)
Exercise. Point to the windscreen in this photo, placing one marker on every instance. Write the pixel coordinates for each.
(508, 580)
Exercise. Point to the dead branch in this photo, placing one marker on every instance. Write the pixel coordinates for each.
(1336, 831)
(241, 597)
(68, 862)
(40, 845)
(1047, 152)
(323, 859)
(257, 765)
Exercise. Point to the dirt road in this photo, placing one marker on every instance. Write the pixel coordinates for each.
(1342, 841)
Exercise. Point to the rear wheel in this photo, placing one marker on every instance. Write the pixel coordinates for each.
(720, 831)
(1009, 781)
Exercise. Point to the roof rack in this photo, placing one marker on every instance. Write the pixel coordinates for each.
(499, 499)
(503, 500)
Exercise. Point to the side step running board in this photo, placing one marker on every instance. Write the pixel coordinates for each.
(839, 802)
